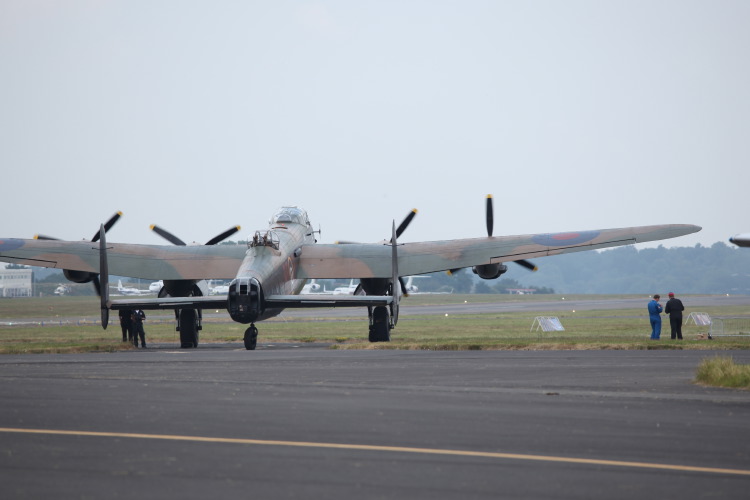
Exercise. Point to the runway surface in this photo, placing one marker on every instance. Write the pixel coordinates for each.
(476, 304)
(310, 422)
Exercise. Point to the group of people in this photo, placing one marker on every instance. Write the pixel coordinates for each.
(674, 308)
(131, 322)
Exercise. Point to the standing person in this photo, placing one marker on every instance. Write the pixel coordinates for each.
(674, 308)
(126, 323)
(654, 311)
(138, 318)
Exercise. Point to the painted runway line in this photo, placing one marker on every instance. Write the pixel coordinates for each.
(393, 449)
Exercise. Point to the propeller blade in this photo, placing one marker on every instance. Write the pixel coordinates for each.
(221, 237)
(405, 223)
(167, 235)
(394, 275)
(97, 286)
(490, 221)
(104, 272)
(404, 292)
(108, 225)
(528, 265)
(523, 263)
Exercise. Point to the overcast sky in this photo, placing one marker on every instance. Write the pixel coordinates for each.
(199, 116)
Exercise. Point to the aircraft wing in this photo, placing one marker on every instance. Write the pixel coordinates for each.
(211, 302)
(169, 262)
(375, 260)
(741, 240)
(281, 301)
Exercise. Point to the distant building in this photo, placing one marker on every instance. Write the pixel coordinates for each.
(15, 282)
(521, 291)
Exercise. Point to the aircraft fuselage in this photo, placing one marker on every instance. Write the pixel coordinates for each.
(268, 268)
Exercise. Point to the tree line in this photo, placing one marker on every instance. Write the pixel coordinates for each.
(718, 269)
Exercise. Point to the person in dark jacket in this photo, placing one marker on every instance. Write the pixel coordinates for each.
(126, 323)
(654, 312)
(674, 308)
(138, 318)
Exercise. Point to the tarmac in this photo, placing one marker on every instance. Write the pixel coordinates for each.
(304, 421)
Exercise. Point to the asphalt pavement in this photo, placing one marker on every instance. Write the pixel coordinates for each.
(310, 422)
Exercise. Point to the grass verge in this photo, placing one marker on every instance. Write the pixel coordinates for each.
(722, 371)
(61, 324)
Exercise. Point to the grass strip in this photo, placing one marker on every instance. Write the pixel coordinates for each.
(62, 324)
(722, 371)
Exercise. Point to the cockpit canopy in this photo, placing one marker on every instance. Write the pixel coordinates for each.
(289, 215)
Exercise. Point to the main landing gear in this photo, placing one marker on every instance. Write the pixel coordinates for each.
(380, 324)
(188, 324)
(251, 338)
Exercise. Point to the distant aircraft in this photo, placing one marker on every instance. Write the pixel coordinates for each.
(127, 290)
(218, 289)
(156, 287)
(268, 274)
(350, 289)
(62, 289)
(741, 240)
(314, 287)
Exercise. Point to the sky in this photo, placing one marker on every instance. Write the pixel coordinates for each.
(198, 116)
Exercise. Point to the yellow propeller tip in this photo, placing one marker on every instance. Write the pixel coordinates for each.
(152, 226)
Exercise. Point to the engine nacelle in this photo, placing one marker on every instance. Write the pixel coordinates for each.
(489, 271)
(79, 276)
(245, 300)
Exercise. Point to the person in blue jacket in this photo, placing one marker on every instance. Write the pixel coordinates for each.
(654, 311)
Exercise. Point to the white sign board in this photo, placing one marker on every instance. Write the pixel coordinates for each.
(547, 324)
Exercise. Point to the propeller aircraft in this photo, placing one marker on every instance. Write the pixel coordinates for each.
(268, 274)
(129, 290)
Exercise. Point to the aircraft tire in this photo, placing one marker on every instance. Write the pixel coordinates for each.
(380, 330)
(188, 329)
(251, 338)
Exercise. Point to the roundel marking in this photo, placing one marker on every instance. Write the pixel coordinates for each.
(564, 239)
(10, 244)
